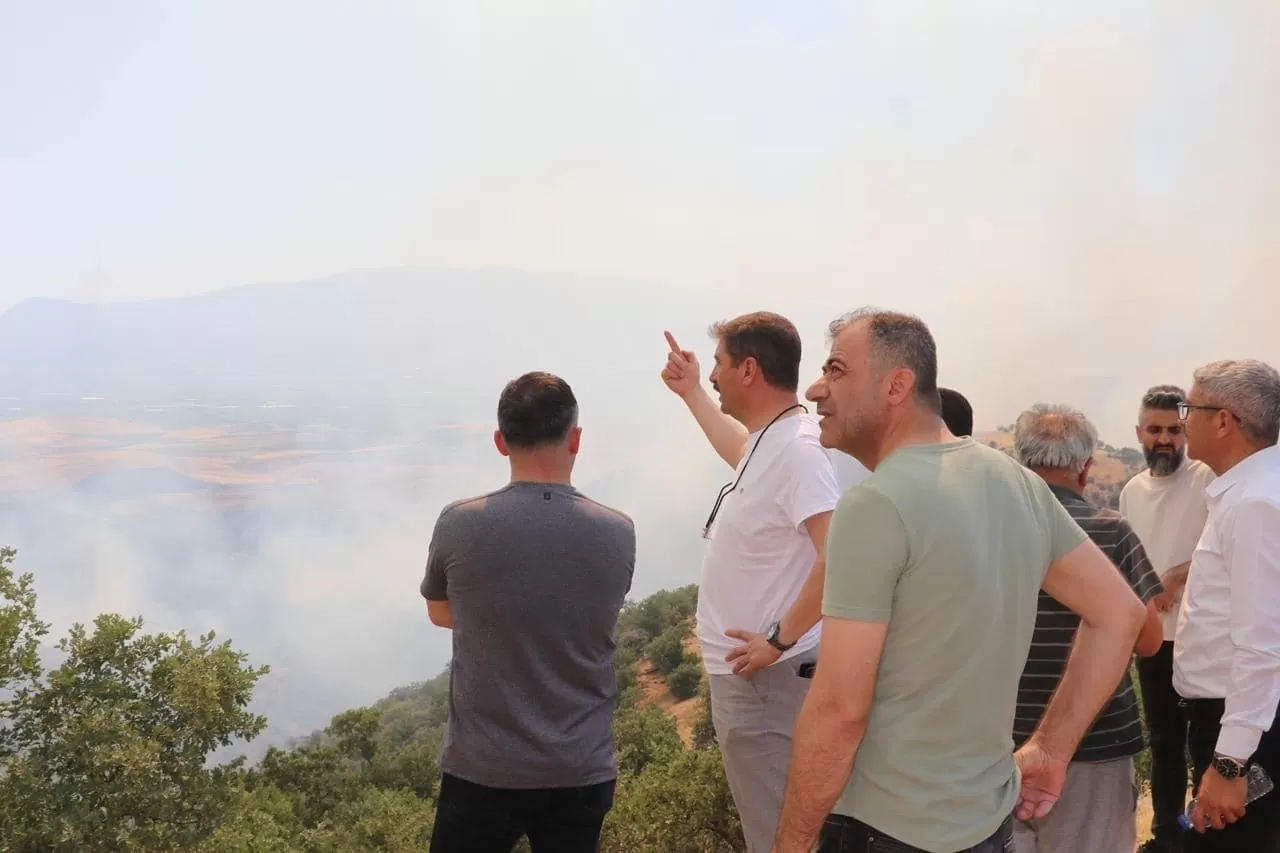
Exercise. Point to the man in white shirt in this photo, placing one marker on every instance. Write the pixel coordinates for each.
(1166, 506)
(762, 575)
(1226, 658)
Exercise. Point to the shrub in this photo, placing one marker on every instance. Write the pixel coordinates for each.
(667, 651)
(683, 681)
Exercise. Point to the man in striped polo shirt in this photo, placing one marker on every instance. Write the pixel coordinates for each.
(1097, 809)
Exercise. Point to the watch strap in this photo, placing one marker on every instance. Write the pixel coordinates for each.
(771, 637)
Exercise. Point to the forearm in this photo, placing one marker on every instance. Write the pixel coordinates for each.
(1176, 578)
(1250, 703)
(806, 610)
(1099, 658)
(727, 436)
(823, 750)
(1254, 690)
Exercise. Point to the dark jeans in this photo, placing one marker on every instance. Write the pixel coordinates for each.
(1259, 829)
(1167, 734)
(842, 834)
(473, 818)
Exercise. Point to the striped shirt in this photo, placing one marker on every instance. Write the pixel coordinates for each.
(1116, 732)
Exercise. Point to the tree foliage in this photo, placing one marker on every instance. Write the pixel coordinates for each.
(110, 750)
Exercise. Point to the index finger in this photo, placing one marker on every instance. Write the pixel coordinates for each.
(671, 342)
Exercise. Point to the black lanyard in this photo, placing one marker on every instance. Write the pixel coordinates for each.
(729, 487)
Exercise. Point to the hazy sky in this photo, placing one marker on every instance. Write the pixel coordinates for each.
(1025, 175)
(1082, 198)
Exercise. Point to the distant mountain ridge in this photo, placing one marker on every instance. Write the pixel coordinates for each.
(357, 334)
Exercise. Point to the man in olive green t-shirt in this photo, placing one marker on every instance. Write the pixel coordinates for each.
(934, 567)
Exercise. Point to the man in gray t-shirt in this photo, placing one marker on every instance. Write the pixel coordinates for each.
(531, 579)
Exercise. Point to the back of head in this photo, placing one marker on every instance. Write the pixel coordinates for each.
(899, 341)
(770, 339)
(1054, 437)
(536, 410)
(1250, 390)
(957, 414)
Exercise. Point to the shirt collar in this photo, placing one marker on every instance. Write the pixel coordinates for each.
(1243, 470)
(1065, 495)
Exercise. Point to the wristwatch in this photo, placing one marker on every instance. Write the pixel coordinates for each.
(1229, 768)
(771, 637)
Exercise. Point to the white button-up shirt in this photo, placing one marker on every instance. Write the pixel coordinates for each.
(1227, 644)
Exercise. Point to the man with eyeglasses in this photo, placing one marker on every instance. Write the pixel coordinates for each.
(1226, 654)
(1166, 506)
(762, 574)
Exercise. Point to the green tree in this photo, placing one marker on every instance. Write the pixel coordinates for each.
(681, 805)
(20, 634)
(109, 751)
(666, 652)
(683, 681)
(355, 731)
(644, 736)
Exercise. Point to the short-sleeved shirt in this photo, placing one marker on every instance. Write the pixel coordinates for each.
(535, 575)
(949, 544)
(1117, 731)
(760, 552)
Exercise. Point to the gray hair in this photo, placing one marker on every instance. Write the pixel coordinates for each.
(1250, 390)
(1055, 437)
(898, 340)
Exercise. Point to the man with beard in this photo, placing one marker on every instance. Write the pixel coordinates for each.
(763, 570)
(1167, 506)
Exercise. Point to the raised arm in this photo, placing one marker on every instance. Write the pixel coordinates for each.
(683, 376)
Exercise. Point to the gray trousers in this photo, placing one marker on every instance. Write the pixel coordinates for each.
(1097, 812)
(754, 720)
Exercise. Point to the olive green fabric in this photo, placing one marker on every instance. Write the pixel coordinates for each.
(949, 544)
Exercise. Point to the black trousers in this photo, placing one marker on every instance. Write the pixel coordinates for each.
(473, 818)
(1167, 735)
(1259, 829)
(841, 834)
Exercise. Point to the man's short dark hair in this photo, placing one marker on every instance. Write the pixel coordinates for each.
(536, 409)
(957, 414)
(771, 339)
(899, 340)
(1163, 398)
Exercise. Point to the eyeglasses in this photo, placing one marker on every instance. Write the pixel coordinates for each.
(1184, 409)
(730, 486)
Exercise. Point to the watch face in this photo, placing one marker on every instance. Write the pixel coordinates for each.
(1227, 768)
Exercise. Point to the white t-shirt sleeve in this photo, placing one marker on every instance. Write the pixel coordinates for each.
(810, 486)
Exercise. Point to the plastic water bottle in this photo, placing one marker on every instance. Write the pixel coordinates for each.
(1259, 784)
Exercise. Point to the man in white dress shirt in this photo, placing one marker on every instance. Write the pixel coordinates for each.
(1226, 661)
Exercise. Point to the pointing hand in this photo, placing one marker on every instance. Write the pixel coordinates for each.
(681, 372)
